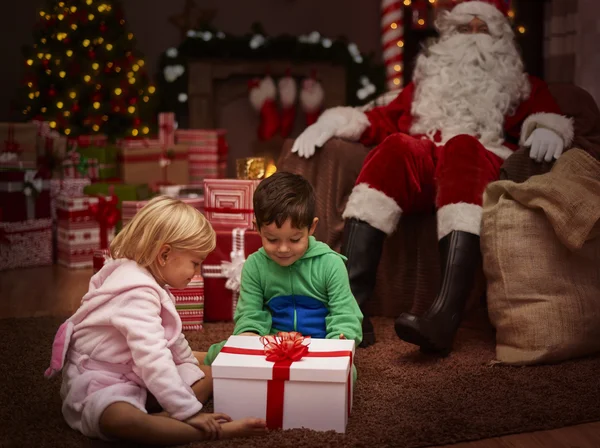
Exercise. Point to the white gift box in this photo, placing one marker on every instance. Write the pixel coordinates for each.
(317, 395)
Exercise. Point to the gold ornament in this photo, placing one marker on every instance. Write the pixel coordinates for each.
(251, 168)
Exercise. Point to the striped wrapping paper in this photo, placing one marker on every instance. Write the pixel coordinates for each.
(130, 208)
(78, 232)
(189, 303)
(207, 152)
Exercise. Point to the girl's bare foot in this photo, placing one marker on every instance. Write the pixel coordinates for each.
(244, 427)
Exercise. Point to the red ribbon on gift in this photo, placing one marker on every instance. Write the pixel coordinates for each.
(107, 215)
(11, 145)
(283, 349)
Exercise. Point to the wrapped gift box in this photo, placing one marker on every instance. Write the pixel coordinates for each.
(25, 243)
(123, 192)
(182, 191)
(228, 202)
(100, 158)
(66, 187)
(207, 152)
(130, 208)
(50, 143)
(189, 303)
(19, 143)
(156, 161)
(24, 195)
(286, 392)
(83, 226)
(219, 269)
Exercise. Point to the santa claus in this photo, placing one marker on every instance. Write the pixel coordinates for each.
(438, 144)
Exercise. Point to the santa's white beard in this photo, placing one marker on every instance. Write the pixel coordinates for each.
(466, 84)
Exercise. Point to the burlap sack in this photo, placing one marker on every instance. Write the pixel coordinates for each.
(541, 256)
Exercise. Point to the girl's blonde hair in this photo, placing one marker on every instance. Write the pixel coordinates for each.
(163, 220)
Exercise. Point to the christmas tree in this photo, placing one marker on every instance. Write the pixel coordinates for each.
(83, 74)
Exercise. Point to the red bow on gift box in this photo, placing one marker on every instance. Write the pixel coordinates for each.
(285, 346)
(107, 215)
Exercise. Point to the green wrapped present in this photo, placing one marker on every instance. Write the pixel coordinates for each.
(124, 192)
(107, 158)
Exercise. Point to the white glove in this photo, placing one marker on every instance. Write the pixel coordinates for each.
(315, 135)
(545, 145)
(343, 122)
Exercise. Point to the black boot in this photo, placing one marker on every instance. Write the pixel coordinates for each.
(434, 331)
(362, 245)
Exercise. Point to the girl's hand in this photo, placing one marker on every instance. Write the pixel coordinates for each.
(209, 423)
(342, 336)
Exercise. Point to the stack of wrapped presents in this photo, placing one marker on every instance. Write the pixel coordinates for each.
(62, 199)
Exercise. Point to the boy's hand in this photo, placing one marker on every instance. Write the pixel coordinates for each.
(247, 333)
(209, 423)
(342, 336)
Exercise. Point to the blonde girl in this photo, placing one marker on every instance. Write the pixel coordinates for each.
(123, 349)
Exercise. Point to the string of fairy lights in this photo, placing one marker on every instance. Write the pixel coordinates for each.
(78, 77)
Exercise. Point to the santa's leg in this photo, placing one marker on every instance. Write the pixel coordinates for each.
(396, 177)
(464, 169)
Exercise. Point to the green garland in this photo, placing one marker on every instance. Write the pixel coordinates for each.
(210, 43)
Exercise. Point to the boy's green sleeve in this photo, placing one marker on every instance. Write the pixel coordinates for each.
(344, 316)
(250, 314)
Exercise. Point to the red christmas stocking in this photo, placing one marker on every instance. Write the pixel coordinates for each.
(287, 98)
(311, 99)
(262, 97)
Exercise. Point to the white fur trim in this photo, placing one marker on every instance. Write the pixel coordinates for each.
(348, 122)
(265, 90)
(482, 10)
(560, 124)
(374, 207)
(311, 95)
(462, 216)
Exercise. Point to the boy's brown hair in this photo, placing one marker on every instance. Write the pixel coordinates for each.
(284, 196)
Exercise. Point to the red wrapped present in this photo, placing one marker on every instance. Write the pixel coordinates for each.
(84, 225)
(18, 144)
(75, 166)
(24, 195)
(189, 303)
(222, 271)
(228, 202)
(25, 243)
(130, 208)
(207, 152)
(83, 141)
(66, 187)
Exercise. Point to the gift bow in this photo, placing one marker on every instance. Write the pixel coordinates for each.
(105, 211)
(7, 157)
(283, 346)
(31, 184)
(233, 270)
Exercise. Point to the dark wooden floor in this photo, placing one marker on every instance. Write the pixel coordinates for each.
(55, 291)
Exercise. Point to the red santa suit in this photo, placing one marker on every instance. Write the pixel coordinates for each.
(411, 173)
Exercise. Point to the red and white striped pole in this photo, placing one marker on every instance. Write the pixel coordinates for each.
(392, 39)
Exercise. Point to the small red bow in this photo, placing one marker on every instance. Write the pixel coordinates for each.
(283, 346)
(105, 211)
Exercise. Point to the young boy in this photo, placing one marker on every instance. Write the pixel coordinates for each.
(294, 282)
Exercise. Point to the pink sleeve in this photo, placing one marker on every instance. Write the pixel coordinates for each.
(138, 319)
(384, 119)
(182, 352)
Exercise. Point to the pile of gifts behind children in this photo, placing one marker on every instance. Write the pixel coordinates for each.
(61, 197)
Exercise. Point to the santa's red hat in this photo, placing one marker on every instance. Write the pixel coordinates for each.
(483, 8)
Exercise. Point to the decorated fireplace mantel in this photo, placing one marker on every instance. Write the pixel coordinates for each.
(204, 75)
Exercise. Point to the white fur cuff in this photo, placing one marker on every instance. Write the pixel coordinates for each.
(348, 122)
(373, 207)
(462, 216)
(560, 124)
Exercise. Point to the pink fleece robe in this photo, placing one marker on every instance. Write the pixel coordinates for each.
(124, 339)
